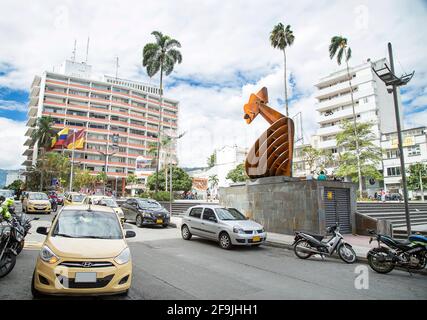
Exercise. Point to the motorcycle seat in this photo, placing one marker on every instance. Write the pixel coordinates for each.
(315, 236)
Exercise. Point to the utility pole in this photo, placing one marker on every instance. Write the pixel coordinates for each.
(72, 162)
(388, 76)
(421, 185)
(400, 142)
(107, 154)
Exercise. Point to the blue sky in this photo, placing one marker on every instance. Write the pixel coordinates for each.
(226, 56)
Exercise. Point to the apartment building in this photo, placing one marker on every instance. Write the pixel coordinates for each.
(414, 151)
(104, 108)
(372, 103)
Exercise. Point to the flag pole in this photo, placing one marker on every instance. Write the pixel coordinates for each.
(72, 161)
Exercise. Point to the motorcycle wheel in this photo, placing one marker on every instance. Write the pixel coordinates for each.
(21, 246)
(7, 263)
(299, 249)
(376, 261)
(346, 253)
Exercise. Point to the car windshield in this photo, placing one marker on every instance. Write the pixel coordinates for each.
(6, 193)
(107, 202)
(229, 214)
(38, 196)
(78, 197)
(152, 204)
(87, 224)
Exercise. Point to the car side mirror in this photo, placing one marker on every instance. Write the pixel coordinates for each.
(213, 219)
(130, 234)
(42, 230)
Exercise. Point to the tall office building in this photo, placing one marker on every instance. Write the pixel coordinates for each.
(129, 110)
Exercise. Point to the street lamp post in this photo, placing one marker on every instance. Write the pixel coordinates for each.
(387, 75)
(109, 154)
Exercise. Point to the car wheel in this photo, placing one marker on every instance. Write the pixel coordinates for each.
(165, 225)
(225, 241)
(185, 232)
(138, 221)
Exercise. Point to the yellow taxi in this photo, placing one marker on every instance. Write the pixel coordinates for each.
(74, 198)
(36, 202)
(108, 202)
(85, 253)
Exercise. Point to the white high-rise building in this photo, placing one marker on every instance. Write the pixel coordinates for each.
(372, 103)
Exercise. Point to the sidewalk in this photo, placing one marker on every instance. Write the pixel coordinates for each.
(360, 244)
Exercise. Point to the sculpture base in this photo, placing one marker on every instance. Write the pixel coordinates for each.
(284, 205)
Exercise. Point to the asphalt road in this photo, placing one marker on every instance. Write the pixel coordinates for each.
(167, 267)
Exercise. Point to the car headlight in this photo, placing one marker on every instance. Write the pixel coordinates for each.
(238, 230)
(146, 215)
(48, 256)
(123, 257)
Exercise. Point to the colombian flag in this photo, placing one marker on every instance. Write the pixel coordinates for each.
(60, 138)
(79, 139)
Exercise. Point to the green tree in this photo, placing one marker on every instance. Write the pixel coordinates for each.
(83, 179)
(238, 174)
(417, 176)
(340, 49)
(160, 56)
(316, 159)
(280, 38)
(43, 137)
(369, 154)
(213, 180)
(132, 179)
(181, 181)
(211, 160)
(15, 186)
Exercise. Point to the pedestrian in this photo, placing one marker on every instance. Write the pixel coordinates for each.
(208, 195)
(321, 176)
(382, 195)
(310, 176)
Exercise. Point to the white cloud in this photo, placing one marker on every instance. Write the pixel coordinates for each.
(224, 44)
(12, 143)
(13, 105)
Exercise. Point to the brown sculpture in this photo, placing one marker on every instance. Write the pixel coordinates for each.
(271, 155)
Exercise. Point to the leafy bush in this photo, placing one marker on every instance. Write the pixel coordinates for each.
(159, 196)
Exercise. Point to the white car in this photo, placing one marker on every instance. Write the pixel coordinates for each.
(226, 225)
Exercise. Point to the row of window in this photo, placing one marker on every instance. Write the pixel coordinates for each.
(414, 150)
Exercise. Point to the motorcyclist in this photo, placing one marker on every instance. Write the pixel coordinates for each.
(4, 209)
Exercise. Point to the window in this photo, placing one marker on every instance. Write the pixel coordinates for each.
(209, 214)
(414, 150)
(392, 153)
(394, 171)
(196, 213)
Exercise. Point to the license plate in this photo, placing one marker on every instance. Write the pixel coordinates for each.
(85, 277)
(159, 221)
(256, 239)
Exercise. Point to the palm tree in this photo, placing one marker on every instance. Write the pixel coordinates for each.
(162, 56)
(282, 37)
(213, 180)
(340, 49)
(42, 136)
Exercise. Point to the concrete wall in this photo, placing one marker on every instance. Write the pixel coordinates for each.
(283, 205)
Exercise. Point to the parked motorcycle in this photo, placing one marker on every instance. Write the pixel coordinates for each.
(13, 229)
(410, 254)
(309, 244)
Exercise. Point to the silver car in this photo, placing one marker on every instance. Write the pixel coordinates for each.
(226, 225)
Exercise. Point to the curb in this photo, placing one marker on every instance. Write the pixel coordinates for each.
(360, 259)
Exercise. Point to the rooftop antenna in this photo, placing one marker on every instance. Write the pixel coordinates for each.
(73, 57)
(87, 48)
(117, 66)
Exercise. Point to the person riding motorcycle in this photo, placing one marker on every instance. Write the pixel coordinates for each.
(4, 209)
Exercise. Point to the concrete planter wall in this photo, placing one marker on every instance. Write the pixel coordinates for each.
(284, 205)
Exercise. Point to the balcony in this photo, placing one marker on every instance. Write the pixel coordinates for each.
(28, 152)
(328, 144)
(343, 100)
(348, 112)
(331, 130)
(31, 121)
(32, 111)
